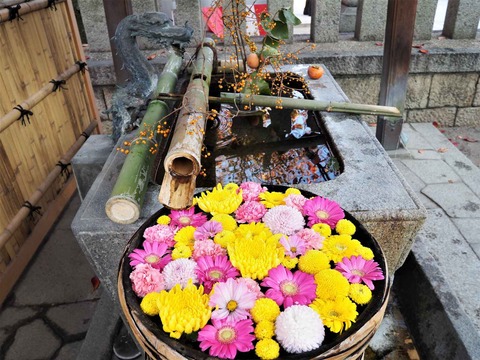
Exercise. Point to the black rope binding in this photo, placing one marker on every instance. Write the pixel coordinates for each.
(52, 5)
(58, 84)
(82, 65)
(84, 134)
(13, 12)
(24, 113)
(33, 209)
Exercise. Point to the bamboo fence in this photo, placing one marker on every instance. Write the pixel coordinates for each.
(43, 78)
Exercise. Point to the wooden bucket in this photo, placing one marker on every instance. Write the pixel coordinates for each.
(159, 345)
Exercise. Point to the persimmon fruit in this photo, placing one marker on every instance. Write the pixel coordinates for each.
(315, 72)
(253, 61)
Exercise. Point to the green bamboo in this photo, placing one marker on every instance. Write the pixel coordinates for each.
(128, 194)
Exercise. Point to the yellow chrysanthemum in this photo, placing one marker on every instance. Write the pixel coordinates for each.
(223, 238)
(291, 191)
(164, 220)
(149, 304)
(227, 221)
(183, 311)
(336, 247)
(267, 349)
(253, 230)
(272, 198)
(184, 236)
(265, 329)
(345, 227)
(337, 314)
(255, 254)
(181, 252)
(221, 200)
(331, 284)
(365, 252)
(313, 261)
(265, 309)
(323, 229)
(360, 294)
(289, 262)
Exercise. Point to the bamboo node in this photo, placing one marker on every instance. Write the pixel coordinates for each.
(51, 5)
(13, 13)
(65, 171)
(33, 210)
(82, 66)
(24, 113)
(58, 85)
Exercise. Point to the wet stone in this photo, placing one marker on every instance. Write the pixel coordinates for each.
(69, 351)
(73, 318)
(12, 315)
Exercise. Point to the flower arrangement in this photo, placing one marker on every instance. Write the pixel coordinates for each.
(248, 269)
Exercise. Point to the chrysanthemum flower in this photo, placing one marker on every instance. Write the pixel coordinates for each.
(356, 269)
(146, 279)
(250, 211)
(272, 198)
(251, 190)
(225, 337)
(336, 247)
(252, 286)
(221, 200)
(345, 227)
(164, 220)
(213, 269)
(188, 217)
(292, 191)
(264, 329)
(267, 349)
(232, 300)
(323, 210)
(331, 284)
(185, 236)
(287, 288)
(179, 271)
(294, 245)
(265, 309)
(224, 237)
(311, 239)
(360, 294)
(296, 201)
(313, 261)
(149, 303)
(181, 252)
(153, 253)
(365, 252)
(183, 311)
(337, 314)
(284, 219)
(323, 229)
(227, 221)
(207, 248)
(299, 329)
(290, 262)
(160, 233)
(208, 230)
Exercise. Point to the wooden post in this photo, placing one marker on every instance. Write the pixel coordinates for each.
(396, 60)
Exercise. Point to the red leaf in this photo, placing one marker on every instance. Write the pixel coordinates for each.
(436, 124)
(419, 46)
(151, 57)
(379, 44)
(423, 51)
(442, 131)
(87, 57)
(421, 151)
(469, 139)
(95, 283)
(454, 143)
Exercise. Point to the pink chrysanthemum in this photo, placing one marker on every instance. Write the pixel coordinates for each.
(213, 269)
(207, 248)
(322, 210)
(296, 201)
(182, 218)
(180, 271)
(207, 230)
(154, 253)
(252, 286)
(232, 300)
(251, 190)
(250, 211)
(287, 288)
(283, 219)
(356, 269)
(225, 337)
(311, 239)
(160, 233)
(146, 279)
(294, 245)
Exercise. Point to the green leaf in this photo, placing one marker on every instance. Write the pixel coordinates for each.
(269, 51)
(280, 31)
(263, 87)
(287, 16)
(270, 41)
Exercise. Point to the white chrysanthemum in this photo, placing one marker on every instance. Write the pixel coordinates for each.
(299, 329)
(284, 219)
(179, 272)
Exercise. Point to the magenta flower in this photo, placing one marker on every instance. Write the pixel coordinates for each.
(226, 337)
(294, 245)
(250, 211)
(296, 201)
(180, 271)
(208, 230)
(252, 286)
(182, 218)
(322, 210)
(356, 269)
(311, 239)
(251, 190)
(283, 219)
(232, 300)
(160, 233)
(146, 279)
(154, 253)
(213, 269)
(207, 248)
(287, 288)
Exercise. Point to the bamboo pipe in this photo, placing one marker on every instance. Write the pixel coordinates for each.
(128, 194)
(22, 214)
(183, 160)
(25, 7)
(12, 116)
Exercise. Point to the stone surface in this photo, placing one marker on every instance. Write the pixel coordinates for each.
(461, 20)
(327, 21)
(10, 316)
(189, 11)
(456, 199)
(74, 318)
(371, 19)
(424, 19)
(476, 100)
(432, 171)
(469, 228)
(444, 116)
(362, 89)
(418, 88)
(452, 89)
(100, 103)
(348, 17)
(467, 116)
(42, 343)
(70, 351)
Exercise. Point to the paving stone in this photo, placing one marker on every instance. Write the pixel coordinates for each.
(415, 140)
(73, 318)
(467, 170)
(3, 336)
(432, 171)
(456, 199)
(476, 248)
(12, 315)
(470, 229)
(69, 351)
(33, 341)
(66, 218)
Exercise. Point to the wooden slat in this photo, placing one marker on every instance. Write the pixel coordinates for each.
(26, 8)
